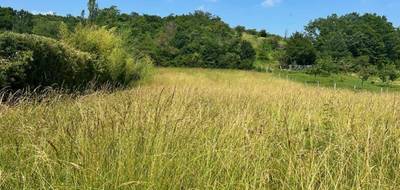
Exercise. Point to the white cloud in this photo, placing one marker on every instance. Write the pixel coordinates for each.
(43, 12)
(270, 3)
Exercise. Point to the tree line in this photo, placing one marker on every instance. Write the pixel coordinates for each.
(197, 39)
(366, 44)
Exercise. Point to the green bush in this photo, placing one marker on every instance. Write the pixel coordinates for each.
(113, 60)
(300, 50)
(33, 61)
(324, 66)
(30, 60)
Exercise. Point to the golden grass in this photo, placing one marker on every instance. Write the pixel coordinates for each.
(204, 129)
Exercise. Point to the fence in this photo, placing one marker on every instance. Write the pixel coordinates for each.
(335, 85)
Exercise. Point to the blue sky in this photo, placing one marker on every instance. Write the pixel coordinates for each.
(277, 16)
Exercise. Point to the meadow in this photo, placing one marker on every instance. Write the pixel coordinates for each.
(342, 81)
(203, 129)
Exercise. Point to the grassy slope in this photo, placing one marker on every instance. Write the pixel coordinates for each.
(204, 129)
(256, 42)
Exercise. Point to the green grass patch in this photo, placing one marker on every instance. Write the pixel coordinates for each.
(342, 81)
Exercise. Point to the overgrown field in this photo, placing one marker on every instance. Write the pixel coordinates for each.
(204, 129)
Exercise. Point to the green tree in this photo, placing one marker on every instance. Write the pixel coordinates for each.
(323, 66)
(47, 28)
(108, 16)
(300, 50)
(7, 18)
(345, 64)
(263, 33)
(240, 29)
(366, 72)
(360, 62)
(333, 45)
(23, 22)
(358, 35)
(93, 10)
(247, 55)
(388, 74)
(394, 75)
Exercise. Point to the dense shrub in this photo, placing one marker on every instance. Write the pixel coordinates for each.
(113, 60)
(300, 50)
(247, 56)
(30, 60)
(323, 66)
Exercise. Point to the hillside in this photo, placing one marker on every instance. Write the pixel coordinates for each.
(269, 50)
(204, 129)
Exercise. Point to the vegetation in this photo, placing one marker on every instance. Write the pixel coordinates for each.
(355, 44)
(25, 22)
(114, 63)
(34, 61)
(79, 53)
(357, 35)
(341, 81)
(189, 129)
(300, 50)
(30, 60)
(270, 50)
(364, 44)
(198, 39)
(196, 128)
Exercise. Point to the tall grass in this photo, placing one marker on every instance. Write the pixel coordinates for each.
(203, 129)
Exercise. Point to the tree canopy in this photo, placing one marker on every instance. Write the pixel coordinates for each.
(198, 39)
(356, 35)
